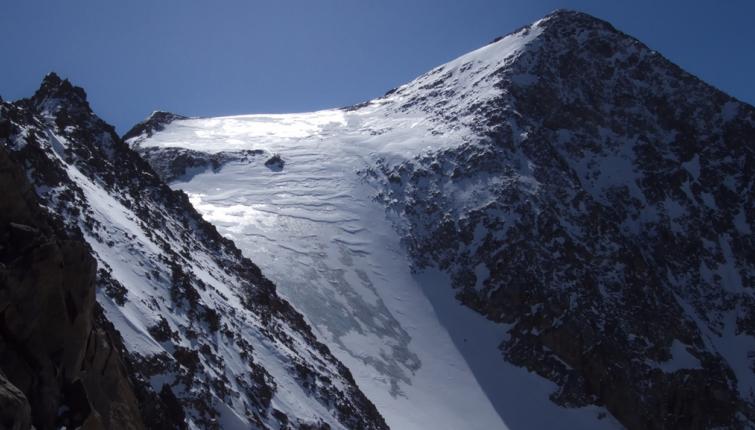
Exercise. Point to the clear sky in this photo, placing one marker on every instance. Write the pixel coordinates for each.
(222, 57)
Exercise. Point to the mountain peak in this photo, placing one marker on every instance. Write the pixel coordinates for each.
(574, 17)
(569, 14)
(161, 115)
(55, 91)
(561, 18)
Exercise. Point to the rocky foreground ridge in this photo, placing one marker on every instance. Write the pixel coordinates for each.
(206, 341)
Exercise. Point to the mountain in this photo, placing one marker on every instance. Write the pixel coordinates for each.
(552, 231)
(205, 339)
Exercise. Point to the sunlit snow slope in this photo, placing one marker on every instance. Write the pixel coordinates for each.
(315, 229)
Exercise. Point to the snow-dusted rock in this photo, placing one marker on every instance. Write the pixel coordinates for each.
(605, 213)
(207, 336)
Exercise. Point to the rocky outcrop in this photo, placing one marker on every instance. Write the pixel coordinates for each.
(181, 164)
(15, 412)
(154, 123)
(275, 163)
(59, 367)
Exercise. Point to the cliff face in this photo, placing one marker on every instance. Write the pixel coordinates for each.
(59, 366)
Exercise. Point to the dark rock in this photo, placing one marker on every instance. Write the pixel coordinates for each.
(275, 163)
(154, 123)
(173, 408)
(51, 349)
(179, 164)
(15, 412)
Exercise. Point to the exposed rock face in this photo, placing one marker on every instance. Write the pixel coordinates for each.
(206, 339)
(59, 366)
(15, 412)
(605, 210)
(181, 164)
(275, 163)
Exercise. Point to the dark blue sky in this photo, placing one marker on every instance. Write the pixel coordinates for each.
(220, 57)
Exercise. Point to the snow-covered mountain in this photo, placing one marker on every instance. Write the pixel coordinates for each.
(552, 231)
(208, 341)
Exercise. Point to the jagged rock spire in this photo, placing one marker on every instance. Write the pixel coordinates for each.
(55, 92)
